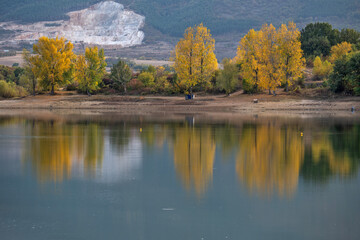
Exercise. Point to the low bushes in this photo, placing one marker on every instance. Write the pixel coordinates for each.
(10, 90)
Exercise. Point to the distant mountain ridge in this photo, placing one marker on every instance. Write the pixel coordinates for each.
(166, 20)
(171, 17)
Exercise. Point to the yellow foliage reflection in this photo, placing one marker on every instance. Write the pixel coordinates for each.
(194, 151)
(269, 159)
(337, 160)
(55, 147)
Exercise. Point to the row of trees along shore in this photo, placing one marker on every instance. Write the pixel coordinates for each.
(265, 60)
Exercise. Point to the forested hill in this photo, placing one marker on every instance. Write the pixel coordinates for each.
(171, 17)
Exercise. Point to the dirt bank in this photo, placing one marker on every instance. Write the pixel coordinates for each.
(236, 103)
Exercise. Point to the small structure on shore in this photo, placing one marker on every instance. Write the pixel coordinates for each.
(189, 96)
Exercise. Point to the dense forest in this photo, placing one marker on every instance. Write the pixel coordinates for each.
(171, 17)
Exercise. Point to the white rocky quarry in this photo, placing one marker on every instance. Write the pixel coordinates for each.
(106, 23)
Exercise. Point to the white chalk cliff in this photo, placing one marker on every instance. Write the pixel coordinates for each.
(106, 23)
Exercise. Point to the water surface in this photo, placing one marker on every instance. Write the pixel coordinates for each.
(187, 177)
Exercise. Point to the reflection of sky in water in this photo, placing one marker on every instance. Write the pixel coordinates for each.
(121, 165)
(117, 165)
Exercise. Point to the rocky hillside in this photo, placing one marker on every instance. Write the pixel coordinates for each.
(105, 23)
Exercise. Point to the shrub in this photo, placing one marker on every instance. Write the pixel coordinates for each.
(72, 86)
(147, 79)
(346, 75)
(248, 86)
(10, 90)
(135, 84)
(228, 78)
(321, 69)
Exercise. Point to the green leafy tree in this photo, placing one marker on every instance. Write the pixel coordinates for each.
(354, 76)
(121, 74)
(228, 79)
(349, 35)
(346, 75)
(317, 39)
(28, 79)
(339, 79)
(90, 69)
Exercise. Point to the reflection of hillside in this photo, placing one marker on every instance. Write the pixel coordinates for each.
(269, 158)
(332, 153)
(55, 147)
(194, 151)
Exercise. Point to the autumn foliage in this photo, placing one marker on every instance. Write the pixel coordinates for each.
(194, 57)
(52, 59)
(270, 57)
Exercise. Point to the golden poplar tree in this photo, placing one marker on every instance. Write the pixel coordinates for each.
(271, 69)
(207, 62)
(51, 61)
(249, 56)
(270, 57)
(89, 69)
(291, 53)
(195, 60)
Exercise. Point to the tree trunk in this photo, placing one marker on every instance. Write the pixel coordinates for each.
(269, 91)
(124, 85)
(52, 89)
(88, 93)
(287, 86)
(33, 88)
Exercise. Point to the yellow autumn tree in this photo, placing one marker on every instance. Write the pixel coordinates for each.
(339, 50)
(270, 57)
(291, 53)
(52, 60)
(249, 56)
(321, 69)
(207, 62)
(194, 57)
(271, 69)
(89, 69)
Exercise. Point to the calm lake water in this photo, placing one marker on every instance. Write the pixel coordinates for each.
(185, 177)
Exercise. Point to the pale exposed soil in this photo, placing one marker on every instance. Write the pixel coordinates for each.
(10, 60)
(237, 103)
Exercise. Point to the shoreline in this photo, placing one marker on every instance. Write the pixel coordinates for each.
(237, 103)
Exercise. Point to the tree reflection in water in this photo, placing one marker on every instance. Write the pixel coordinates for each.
(194, 152)
(268, 156)
(54, 147)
